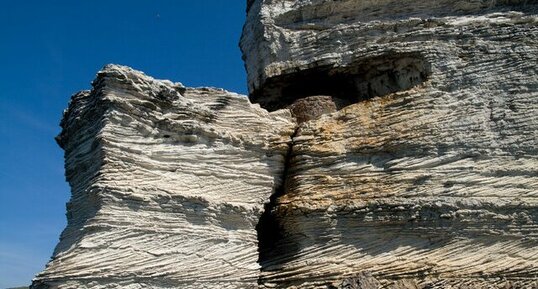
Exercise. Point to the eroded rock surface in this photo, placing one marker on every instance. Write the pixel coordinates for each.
(401, 152)
(312, 107)
(357, 49)
(168, 185)
(428, 176)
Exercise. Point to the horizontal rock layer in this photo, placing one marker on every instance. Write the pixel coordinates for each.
(427, 176)
(411, 162)
(284, 40)
(168, 185)
(412, 186)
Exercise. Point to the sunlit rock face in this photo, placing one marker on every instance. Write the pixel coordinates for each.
(427, 175)
(393, 145)
(358, 49)
(168, 185)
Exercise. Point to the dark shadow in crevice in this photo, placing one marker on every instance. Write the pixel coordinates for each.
(269, 229)
(271, 232)
(362, 80)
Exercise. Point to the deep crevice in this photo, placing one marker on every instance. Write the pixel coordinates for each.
(363, 79)
(269, 229)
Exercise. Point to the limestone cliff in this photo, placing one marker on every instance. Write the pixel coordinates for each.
(427, 176)
(394, 146)
(168, 185)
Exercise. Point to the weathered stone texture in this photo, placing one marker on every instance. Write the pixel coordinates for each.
(429, 176)
(168, 185)
(285, 42)
(312, 107)
(400, 152)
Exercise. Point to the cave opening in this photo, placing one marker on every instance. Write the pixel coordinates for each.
(359, 81)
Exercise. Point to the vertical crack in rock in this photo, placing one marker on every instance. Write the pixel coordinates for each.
(270, 231)
(432, 185)
(308, 95)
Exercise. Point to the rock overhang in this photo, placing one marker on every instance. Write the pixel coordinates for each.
(282, 38)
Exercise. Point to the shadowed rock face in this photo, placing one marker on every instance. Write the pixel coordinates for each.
(363, 80)
(285, 37)
(400, 152)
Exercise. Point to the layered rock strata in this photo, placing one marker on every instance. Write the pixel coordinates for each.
(355, 49)
(168, 185)
(428, 175)
(401, 152)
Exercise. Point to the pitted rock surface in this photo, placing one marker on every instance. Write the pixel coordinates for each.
(312, 107)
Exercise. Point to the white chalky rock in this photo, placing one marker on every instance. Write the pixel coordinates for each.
(168, 185)
(413, 163)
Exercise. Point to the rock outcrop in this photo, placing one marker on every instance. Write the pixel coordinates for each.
(394, 145)
(168, 185)
(427, 176)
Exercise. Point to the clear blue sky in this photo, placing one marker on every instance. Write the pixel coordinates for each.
(51, 49)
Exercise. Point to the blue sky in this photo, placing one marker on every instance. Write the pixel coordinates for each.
(51, 49)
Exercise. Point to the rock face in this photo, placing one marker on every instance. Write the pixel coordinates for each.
(400, 151)
(428, 177)
(168, 185)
